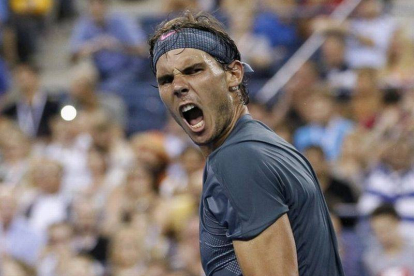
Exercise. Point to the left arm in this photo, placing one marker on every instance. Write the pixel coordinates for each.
(272, 253)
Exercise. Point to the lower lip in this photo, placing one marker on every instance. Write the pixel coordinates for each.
(196, 129)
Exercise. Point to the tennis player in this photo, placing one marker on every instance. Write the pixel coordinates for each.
(262, 212)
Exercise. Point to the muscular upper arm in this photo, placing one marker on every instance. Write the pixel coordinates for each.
(272, 253)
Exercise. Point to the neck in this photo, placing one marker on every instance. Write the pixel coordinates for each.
(6, 225)
(29, 96)
(100, 21)
(90, 101)
(98, 175)
(209, 148)
(336, 64)
(395, 247)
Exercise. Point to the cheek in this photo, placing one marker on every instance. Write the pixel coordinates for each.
(164, 95)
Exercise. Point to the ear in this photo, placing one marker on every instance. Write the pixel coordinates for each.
(234, 73)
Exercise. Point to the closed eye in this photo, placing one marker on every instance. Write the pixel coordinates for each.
(165, 79)
(190, 70)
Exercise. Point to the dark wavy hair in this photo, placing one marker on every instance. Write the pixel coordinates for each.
(205, 22)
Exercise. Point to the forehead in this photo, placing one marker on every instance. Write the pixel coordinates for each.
(180, 58)
(383, 219)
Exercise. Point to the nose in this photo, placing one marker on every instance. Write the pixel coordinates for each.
(180, 86)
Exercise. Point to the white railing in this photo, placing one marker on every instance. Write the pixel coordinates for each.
(282, 77)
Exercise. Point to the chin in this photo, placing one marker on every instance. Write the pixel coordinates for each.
(201, 142)
(200, 139)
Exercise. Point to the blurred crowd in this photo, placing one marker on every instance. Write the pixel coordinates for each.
(86, 191)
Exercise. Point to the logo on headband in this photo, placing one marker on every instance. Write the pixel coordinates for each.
(166, 35)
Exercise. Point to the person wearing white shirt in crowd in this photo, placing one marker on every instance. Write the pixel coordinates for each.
(48, 205)
(369, 34)
(392, 181)
(393, 255)
(18, 239)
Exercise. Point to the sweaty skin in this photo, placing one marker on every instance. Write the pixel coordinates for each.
(191, 76)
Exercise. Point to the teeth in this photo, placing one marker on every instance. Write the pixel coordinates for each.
(188, 107)
(198, 125)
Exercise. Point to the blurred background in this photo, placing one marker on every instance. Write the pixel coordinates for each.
(97, 180)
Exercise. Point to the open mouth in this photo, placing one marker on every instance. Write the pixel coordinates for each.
(193, 115)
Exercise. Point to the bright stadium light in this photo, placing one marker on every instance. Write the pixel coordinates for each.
(68, 113)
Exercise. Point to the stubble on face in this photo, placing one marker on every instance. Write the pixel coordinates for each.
(208, 89)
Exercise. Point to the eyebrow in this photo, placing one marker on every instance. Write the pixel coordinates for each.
(184, 71)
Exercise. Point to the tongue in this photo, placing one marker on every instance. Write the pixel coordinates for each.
(196, 120)
(194, 116)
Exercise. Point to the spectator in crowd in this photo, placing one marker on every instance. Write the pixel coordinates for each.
(115, 205)
(177, 212)
(87, 238)
(15, 148)
(80, 266)
(149, 150)
(320, 4)
(169, 218)
(369, 34)
(337, 192)
(392, 256)
(13, 267)
(175, 139)
(188, 253)
(291, 104)
(58, 250)
(103, 180)
(149, 224)
(108, 138)
(325, 127)
(156, 269)
(366, 99)
(275, 21)
(353, 160)
(176, 6)
(261, 112)
(191, 162)
(392, 181)
(112, 42)
(255, 49)
(4, 16)
(407, 107)
(398, 71)
(284, 130)
(84, 96)
(8, 46)
(17, 238)
(65, 10)
(69, 146)
(335, 70)
(34, 108)
(4, 81)
(48, 204)
(28, 20)
(392, 119)
(136, 195)
(350, 248)
(127, 256)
